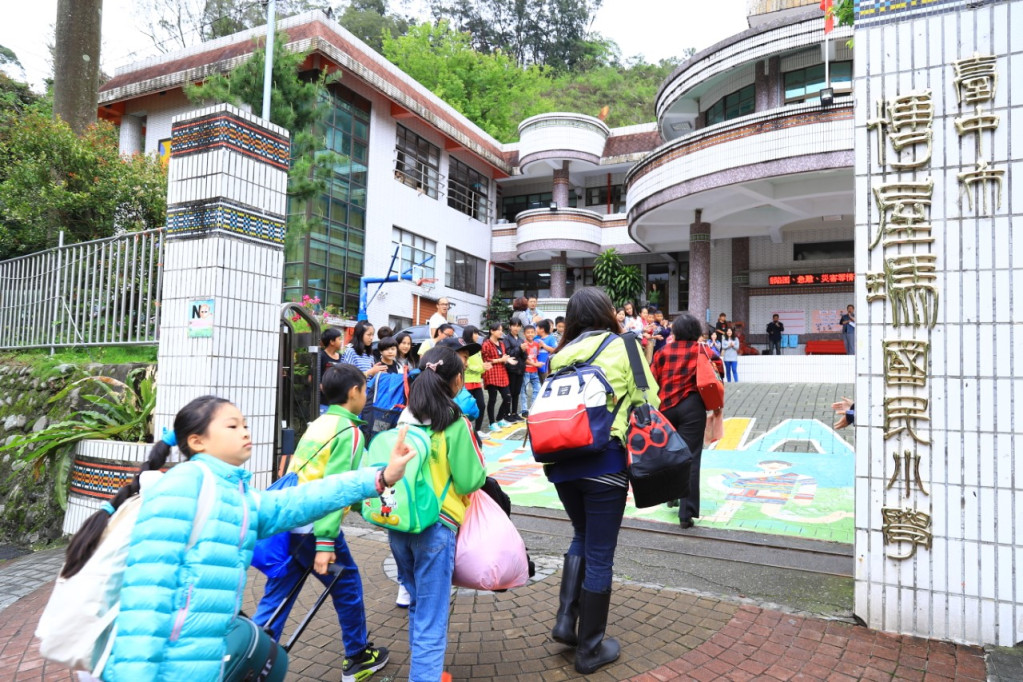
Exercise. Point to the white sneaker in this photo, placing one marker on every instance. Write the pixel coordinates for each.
(404, 598)
(482, 436)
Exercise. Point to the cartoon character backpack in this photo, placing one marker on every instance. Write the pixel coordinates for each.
(410, 505)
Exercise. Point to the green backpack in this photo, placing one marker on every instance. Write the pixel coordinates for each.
(411, 505)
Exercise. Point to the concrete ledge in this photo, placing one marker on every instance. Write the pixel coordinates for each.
(797, 369)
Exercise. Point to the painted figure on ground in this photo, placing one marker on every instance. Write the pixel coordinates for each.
(772, 490)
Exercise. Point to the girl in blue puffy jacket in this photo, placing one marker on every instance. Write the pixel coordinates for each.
(178, 602)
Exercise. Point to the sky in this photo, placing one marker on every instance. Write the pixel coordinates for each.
(656, 29)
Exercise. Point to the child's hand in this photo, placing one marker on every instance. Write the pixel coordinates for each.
(400, 456)
(322, 561)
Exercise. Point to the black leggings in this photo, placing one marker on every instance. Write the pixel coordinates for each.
(690, 420)
(477, 393)
(492, 393)
(515, 386)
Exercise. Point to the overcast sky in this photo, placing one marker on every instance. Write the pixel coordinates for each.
(656, 29)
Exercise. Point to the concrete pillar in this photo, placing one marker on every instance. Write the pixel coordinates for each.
(559, 273)
(762, 81)
(740, 281)
(559, 190)
(130, 138)
(699, 267)
(223, 268)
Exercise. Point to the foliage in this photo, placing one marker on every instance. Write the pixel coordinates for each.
(498, 310)
(550, 33)
(844, 12)
(621, 282)
(123, 412)
(489, 89)
(42, 361)
(51, 179)
(628, 91)
(369, 21)
(323, 314)
(15, 96)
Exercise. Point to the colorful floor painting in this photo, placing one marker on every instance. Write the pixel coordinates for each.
(796, 479)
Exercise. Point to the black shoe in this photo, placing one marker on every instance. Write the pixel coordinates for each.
(594, 649)
(686, 523)
(364, 665)
(568, 600)
(514, 418)
(672, 503)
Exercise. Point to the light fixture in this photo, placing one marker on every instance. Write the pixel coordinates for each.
(827, 97)
(554, 206)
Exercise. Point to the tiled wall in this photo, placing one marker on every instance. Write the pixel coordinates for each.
(962, 518)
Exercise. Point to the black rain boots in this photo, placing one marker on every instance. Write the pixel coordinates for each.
(594, 649)
(568, 600)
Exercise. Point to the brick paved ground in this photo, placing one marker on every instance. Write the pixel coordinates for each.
(665, 635)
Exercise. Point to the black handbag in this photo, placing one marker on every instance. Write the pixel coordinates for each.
(659, 460)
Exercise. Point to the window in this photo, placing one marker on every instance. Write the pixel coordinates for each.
(415, 251)
(417, 162)
(738, 103)
(514, 283)
(804, 85)
(512, 206)
(598, 196)
(824, 250)
(466, 273)
(468, 191)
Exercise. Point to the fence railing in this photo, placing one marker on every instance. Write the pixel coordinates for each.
(98, 293)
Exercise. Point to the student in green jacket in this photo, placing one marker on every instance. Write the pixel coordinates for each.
(593, 488)
(332, 444)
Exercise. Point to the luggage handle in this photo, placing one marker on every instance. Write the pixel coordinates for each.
(336, 570)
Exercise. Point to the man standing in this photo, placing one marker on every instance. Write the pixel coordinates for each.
(774, 330)
(439, 317)
(534, 314)
(848, 322)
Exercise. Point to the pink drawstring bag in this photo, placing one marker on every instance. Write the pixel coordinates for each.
(489, 552)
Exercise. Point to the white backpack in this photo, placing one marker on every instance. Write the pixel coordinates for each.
(77, 626)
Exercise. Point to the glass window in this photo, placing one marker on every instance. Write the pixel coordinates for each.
(468, 191)
(733, 105)
(415, 251)
(465, 273)
(417, 162)
(804, 85)
(598, 196)
(513, 205)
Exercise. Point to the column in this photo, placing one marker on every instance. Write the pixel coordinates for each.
(559, 272)
(131, 140)
(699, 267)
(223, 268)
(559, 190)
(740, 282)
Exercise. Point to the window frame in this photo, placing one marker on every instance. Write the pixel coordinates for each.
(747, 95)
(416, 244)
(416, 162)
(839, 87)
(462, 178)
(458, 278)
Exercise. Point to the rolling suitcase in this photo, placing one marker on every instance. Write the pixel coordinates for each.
(252, 653)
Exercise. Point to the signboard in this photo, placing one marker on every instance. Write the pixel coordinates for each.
(826, 321)
(817, 278)
(794, 320)
(200, 319)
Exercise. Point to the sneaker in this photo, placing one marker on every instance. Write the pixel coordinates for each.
(503, 424)
(482, 436)
(404, 598)
(367, 663)
(496, 426)
(514, 419)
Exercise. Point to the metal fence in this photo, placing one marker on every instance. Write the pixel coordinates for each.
(99, 293)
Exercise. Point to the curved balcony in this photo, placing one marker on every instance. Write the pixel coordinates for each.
(542, 233)
(561, 137)
(749, 176)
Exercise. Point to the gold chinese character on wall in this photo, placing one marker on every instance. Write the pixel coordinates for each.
(900, 526)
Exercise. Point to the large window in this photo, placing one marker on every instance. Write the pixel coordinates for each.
(415, 251)
(512, 206)
(417, 162)
(514, 283)
(805, 85)
(734, 105)
(468, 191)
(466, 273)
(599, 196)
(327, 261)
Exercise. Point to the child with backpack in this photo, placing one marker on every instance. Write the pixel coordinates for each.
(333, 444)
(454, 468)
(181, 594)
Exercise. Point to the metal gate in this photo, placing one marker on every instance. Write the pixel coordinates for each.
(298, 381)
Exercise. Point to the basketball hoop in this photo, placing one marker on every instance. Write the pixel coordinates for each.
(427, 283)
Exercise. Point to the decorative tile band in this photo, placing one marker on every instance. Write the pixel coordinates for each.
(878, 11)
(100, 478)
(226, 131)
(191, 220)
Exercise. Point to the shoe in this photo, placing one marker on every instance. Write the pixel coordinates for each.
(514, 419)
(495, 426)
(686, 523)
(364, 665)
(524, 414)
(404, 598)
(503, 424)
(568, 601)
(672, 503)
(482, 436)
(594, 649)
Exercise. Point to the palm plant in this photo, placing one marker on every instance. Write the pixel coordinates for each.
(123, 411)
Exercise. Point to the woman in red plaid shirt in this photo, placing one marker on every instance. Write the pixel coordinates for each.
(674, 367)
(496, 378)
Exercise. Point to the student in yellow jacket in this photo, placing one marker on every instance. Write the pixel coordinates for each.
(332, 444)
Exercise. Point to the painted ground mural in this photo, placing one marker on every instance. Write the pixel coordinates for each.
(794, 479)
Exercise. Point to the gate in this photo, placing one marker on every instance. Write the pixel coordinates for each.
(298, 384)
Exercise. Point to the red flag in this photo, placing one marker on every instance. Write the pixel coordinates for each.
(829, 17)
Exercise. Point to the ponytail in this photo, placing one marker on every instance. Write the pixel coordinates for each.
(430, 398)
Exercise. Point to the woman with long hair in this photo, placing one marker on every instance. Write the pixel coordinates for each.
(474, 368)
(406, 358)
(360, 351)
(674, 368)
(496, 378)
(593, 488)
(730, 354)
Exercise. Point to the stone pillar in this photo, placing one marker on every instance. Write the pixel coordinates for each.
(131, 140)
(559, 190)
(740, 282)
(699, 267)
(762, 81)
(223, 268)
(559, 272)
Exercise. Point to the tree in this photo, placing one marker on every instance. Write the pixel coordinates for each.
(621, 282)
(489, 89)
(629, 91)
(498, 310)
(76, 63)
(369, 21)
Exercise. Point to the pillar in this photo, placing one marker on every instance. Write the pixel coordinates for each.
(740, 282)
(223, 268)
(131, 140)
(559, 275)
(699, 267)
(559, 190)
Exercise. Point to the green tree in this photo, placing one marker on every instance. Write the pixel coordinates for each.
(621, 282)
(489, 89)
(369, 21)
(628, 91)
(498, 310)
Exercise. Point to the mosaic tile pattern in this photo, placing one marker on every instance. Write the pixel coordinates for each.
(878, 11)
(225, 131)
(100, 478)
(225, 216)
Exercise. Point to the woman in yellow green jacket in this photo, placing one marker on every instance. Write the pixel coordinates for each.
(474, 368)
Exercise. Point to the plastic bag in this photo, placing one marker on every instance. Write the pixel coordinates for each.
(489, 552)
